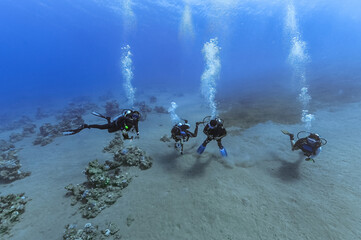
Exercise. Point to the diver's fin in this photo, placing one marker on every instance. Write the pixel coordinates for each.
(285, 132)
(223, 152)
(71, 132)
(289, 134)
(67, 133)
(98, 115)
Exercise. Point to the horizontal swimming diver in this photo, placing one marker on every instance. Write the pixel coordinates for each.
(128, 121)
(310, 145)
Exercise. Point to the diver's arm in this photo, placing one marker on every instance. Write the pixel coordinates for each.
(195, 133)
(205, 130)
(292, 144)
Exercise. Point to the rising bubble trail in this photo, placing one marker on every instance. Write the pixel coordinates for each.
(298, 59)
(127, 65)
(174, 117)
(211, 73)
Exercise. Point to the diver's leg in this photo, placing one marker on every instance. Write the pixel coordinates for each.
(292, 141)
(206, 141)
(176, 144)
(202, 147)
(195, 133)
(97, 126)
(219, 142)
(83, 126)
(292, 144)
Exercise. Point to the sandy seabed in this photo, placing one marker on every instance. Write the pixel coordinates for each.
(262, 190)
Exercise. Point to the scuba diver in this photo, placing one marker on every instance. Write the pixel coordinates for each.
(214, 131)
(128, 121)
(310, 145)
(180, 134)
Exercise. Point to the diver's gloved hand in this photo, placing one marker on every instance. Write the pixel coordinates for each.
(197, 123)
(137, 137)
(292, 137)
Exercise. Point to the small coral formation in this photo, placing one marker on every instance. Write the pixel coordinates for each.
(10, 164)
(115, 144)
(133, 156)
(91, 232)
(70, 123)
(40, 114)
(77, 109)
(129, 156)
(130, 220)
(112, 108)
(165, 138)
(107, 96)
(70, 118)
(28, 130)
(5, 146)
(12, 125)
(103, 188)
(15, 137)
(11, 208)
(160, 109)
(143, 109)
(49, 132)
(152, 99)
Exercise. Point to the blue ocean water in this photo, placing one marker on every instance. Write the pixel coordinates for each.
(251, 61)
(53, 49)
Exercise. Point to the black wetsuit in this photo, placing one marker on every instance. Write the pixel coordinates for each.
(124, 124)
(181, 133)
(177, 133)
(216, 133)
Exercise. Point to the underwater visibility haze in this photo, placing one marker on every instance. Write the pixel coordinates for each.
(183, 69)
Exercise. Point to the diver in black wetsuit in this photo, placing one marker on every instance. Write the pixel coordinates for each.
(125, 123)
(180, 134)
(310, 145)
(214, 131)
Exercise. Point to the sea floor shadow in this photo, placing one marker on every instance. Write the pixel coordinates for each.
(169, 161)
(198, 168)
(288, 171)
(194, 165)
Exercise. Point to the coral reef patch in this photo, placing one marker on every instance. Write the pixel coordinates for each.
(160, 109)
(101, 190)
(111, 232)
(112, 108)
(11, 208)
(105, 181)
(10, 163)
